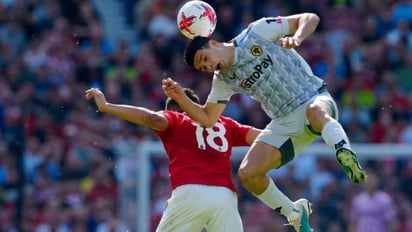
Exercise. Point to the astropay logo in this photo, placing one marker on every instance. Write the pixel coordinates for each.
(258, 71)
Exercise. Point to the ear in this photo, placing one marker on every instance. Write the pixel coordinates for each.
(214, 43)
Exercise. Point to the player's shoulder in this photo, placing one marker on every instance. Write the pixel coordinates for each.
(177, 119)
(230, 122)
(233, 125)
(225, 118)
(269, 28)
(172, 115)
(384, 196)
(269, 20)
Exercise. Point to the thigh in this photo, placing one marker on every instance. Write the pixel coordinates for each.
(261, 158)
(325, 101)
(288, 136)
(279, 134)
(182, 212)
(225, 215)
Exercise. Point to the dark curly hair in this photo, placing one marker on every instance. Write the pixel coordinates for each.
(172, 104)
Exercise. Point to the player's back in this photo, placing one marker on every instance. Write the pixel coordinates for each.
(201, 155)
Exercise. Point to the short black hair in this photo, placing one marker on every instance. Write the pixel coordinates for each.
(197, 43)
(172, 104)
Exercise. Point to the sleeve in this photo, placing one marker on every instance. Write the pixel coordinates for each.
(271, 28)
(172, 118)
(220, 92)
(238, 132)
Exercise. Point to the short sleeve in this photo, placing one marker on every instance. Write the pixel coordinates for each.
(271, 28)
(172, 118)
(220, 92)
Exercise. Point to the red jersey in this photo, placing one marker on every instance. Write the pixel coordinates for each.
(199, 155)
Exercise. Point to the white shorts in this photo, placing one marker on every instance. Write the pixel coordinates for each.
(291, 134)
(194, 207)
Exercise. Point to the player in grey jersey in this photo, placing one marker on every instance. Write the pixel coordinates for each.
(262, 63)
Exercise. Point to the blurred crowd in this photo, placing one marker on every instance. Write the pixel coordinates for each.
(66, 167)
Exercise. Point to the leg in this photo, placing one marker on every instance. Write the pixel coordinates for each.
(184, 211)
(260, 159)
(252, 174)
(321, 114)
(225, 215)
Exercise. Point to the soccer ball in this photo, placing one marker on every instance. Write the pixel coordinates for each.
(196, 18)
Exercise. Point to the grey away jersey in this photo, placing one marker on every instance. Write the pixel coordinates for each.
(278, 78)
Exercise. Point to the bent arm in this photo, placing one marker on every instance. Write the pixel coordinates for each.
(251, 135)
(302, 25)
(205, 115)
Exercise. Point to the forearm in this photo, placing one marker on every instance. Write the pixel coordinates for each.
(134, 114)
(195, 111)
(205, 115)
(307, 24)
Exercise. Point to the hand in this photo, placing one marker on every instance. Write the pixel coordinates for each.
(289, 42)
(98, 96)
(172, 89)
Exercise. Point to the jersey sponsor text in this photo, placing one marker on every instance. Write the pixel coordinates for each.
(256, 74)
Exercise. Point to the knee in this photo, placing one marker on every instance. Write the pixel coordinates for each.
(314, 111)
(317, 116)
(247, 176)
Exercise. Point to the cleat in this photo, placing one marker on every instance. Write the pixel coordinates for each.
(301, 224)
(350, 165)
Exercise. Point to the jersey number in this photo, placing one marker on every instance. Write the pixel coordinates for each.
(277, 20)
(211, 136)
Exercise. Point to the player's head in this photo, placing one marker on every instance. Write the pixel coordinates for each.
(172, 104)
(372, 182)
(202, 54)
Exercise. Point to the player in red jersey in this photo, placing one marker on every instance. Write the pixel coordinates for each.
(203, 194)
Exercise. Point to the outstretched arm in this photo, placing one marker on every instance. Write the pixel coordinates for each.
(301, 26)
(205, 115)
(139, 115)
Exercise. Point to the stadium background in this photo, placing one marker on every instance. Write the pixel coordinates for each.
(64, 165)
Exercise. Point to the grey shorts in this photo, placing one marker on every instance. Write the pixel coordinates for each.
(292, 133)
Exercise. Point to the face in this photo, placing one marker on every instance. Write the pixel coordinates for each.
(208, 59)
(372, 183)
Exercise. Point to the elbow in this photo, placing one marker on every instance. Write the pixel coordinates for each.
(207, 124)
(317, 19)
(314, 17)
(207, 119)
(252, 135)
(156, 121)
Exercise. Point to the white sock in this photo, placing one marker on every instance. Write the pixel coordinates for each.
(276, 200)
(334, 135)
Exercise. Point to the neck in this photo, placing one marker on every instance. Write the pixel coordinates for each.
(228, 54)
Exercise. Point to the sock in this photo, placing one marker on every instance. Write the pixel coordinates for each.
(276, 200)
(334, 135)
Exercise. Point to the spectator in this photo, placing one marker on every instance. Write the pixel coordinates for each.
(372, 209)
